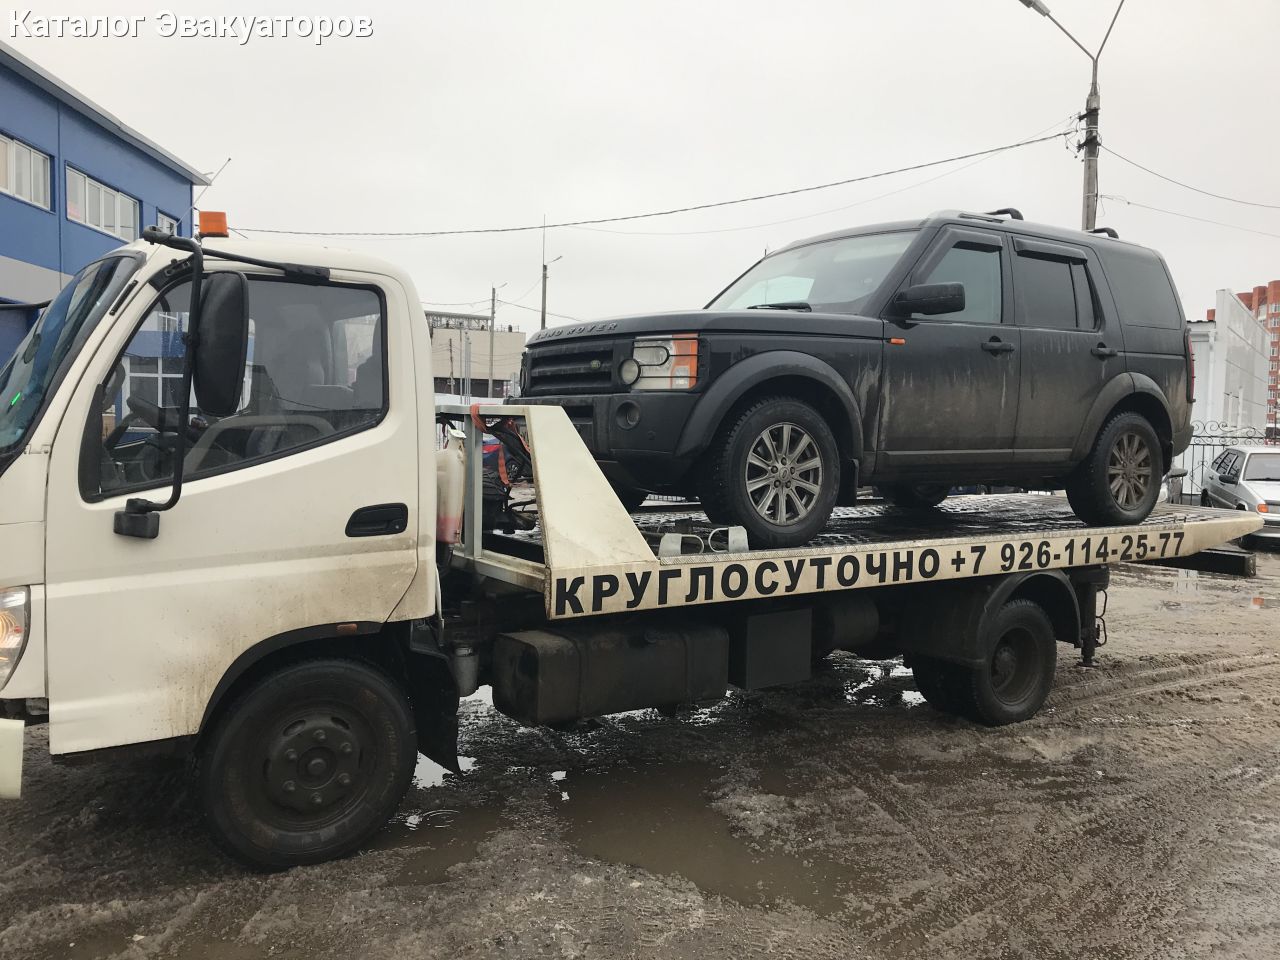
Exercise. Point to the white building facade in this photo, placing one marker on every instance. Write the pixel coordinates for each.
(1231, 357)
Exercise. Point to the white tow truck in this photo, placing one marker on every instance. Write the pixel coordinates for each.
(229, 530)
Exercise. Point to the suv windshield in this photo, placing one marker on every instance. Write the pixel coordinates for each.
(1263, 466)
(29, 377)
(835, 276)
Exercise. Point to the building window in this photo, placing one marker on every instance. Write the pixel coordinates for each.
(24, 172)
(97, 205)
(166, 223)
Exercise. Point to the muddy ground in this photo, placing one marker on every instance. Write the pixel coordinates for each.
(1138, 816)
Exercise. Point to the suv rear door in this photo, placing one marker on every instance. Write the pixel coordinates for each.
(950, 387)
(1070, 348)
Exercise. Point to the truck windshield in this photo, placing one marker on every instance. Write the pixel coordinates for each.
(32, 373)
(835, 276)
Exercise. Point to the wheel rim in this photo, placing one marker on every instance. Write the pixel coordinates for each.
(783, 474)
(313, 766)
(1129, 470)
(1014, 667)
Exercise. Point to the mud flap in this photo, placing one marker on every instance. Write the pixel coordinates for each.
(435, 698)
(11, 736)
(438, 732)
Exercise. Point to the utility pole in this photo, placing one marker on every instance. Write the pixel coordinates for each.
(451, 377)
(493, 312)
(1092, 109)
(543, 325)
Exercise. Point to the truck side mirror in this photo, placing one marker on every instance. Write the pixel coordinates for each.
(218, 372)
(930, 299)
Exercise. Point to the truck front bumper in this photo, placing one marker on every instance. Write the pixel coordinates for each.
(11, 742)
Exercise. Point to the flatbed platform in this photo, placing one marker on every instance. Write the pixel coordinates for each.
(589, 557)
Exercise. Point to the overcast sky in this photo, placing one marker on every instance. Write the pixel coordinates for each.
(501, 112)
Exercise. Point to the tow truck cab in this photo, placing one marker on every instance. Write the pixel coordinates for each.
(219, 537)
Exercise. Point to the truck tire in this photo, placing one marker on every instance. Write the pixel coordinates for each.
(773, 468)
(1119, 482)
(308, 763)
(1014, 680)
(916, 496)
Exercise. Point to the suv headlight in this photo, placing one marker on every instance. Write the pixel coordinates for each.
(662, 363)
(15, 608)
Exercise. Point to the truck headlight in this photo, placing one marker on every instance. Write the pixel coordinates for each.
(15, 609)
(662, 363)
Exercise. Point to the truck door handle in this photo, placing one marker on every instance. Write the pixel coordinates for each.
(1102, 351)
(380, 520)
(996, 345)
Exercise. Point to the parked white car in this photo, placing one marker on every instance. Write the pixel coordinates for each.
(1247, 478)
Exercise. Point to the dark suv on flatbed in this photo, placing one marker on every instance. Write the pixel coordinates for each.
(958, 349)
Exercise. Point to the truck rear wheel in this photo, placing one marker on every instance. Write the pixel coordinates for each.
(308, 763)
(774, 469)
(1016, 675)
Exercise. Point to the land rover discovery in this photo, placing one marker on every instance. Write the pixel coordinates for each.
(958, 349)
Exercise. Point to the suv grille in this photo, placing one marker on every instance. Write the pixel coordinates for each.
(565, 368)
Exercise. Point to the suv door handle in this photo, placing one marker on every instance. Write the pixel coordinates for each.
(996, 345)
(1102, 351)
(380, 520)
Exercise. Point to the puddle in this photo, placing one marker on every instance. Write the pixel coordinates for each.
(875, 688)
(661, 820)
(438, 839)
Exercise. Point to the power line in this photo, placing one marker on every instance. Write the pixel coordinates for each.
(1187, 216)
(820, 213)
(1187, 186)
(521, 306)
(657, 213)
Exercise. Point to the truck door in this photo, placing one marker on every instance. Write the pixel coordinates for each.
(951, 386)
(267, 543)
(1070, 349)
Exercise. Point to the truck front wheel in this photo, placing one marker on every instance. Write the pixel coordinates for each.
(308, 763)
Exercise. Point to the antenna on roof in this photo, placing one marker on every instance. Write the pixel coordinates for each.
(1010, 212)
(1109, 231)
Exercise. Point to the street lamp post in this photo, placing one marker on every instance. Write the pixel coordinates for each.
(1092, 107)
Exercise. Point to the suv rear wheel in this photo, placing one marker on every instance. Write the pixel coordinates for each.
(1119, 482)
(774, 469)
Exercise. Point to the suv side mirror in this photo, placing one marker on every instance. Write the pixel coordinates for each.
(218, 372)
(930, 299)
(1230, 481)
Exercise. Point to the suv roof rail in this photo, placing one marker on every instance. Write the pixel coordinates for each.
(1011, 212)
(1109, 231)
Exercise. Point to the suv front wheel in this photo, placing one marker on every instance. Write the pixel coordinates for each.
(1119, 482)
(774, 469)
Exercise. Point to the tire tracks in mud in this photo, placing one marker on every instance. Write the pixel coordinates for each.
(1068, 700)
(1097, 889)
(1172, 811)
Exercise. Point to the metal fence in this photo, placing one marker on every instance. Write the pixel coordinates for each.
(1208, 439)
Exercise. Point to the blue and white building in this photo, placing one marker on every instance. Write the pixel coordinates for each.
(74, 183)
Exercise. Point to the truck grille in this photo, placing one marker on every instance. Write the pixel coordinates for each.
(556, 369)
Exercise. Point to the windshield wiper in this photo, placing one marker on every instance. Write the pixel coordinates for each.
(783, 305)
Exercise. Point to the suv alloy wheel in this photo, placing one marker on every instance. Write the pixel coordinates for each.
(1119, 482)
(774, 469)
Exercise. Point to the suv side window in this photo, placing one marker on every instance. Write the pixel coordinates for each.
(314, 373)
(978, 268)
(1140, 284)
(1045, 292)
